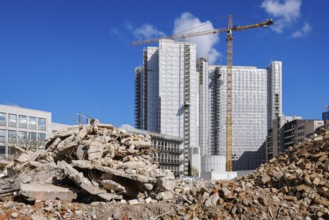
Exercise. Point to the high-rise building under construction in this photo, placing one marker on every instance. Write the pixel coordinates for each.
(177, 94)
(257, 99)
(167, 93)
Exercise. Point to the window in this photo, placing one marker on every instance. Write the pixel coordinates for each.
(2, 149)
(22, 135)
(32, 123)
(2, 119)
(2, 135)
(23, 121)
(11, 150)
(12, 136)
(42, 124)
(12, 120)
(32, 136)
(41, 136)
(195, 150)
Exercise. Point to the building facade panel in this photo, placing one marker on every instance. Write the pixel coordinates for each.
(171, 97)
(274, 91)
(22, 127)
(151, 82)
(250, 113)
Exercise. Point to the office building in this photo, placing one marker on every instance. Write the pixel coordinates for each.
(22, 127)
(297, 130)
(256, 101)
(275, 136)
(178, 95)
(167, 94)
(288, 131)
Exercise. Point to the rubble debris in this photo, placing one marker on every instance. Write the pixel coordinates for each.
(114, 169)
(105, 162)
(84, 183)
(46, 191)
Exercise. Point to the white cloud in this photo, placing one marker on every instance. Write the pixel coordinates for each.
(128, 25)
(187, 23)
(305, 30)
(114, 31)
(147, 31)
(286, 12)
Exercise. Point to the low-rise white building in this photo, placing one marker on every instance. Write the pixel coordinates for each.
(23, 127)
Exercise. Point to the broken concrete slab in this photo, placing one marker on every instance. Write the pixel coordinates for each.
(112, 185)
(85, 184)
(45, 191)
(23, 157)
(84, 164)
(66, 145)
(95, 150)
(167, 183)
(3, 164)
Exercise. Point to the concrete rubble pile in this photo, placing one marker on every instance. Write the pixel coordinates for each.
(294, 185)
(300, 177)
(87, 163)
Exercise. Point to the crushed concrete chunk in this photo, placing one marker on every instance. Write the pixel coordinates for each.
(85, 184)
(265, 179)
(212, 200)
(95, 150)
(44, 191)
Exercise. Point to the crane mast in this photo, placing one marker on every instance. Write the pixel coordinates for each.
(229, 96)
(229, 30)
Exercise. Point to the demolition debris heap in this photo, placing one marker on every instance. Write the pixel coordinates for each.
(97, 160)
(101, 163)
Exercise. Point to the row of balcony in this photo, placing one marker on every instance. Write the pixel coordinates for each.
(170, 161)
(179, 151)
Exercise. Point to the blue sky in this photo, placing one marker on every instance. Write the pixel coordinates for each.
(69, 56)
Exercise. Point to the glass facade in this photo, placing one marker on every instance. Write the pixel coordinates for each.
(21, 127)
(32, 136)
(12, 120)
(3, 119)
(42, 124)
(22, 135)
(256, 100)
(32, 123)
(2, 135)
(41, 136)
(23, 121)
(12, 136)
(2, 149)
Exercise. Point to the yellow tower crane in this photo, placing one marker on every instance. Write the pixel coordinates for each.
(229, 30)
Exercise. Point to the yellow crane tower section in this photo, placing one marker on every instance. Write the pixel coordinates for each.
(229, 30)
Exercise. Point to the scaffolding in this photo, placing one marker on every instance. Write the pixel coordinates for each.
(218, 110)
(186, 102)
(138, 78)
(276, 105)
(145, 92)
